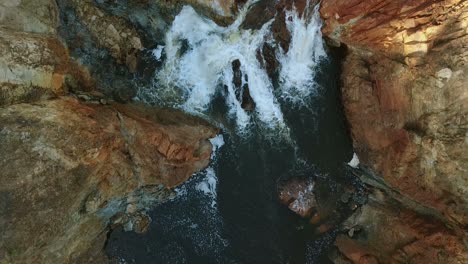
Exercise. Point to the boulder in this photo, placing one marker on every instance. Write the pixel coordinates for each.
(298, 195)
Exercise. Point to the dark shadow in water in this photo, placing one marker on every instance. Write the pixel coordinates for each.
(248, 224)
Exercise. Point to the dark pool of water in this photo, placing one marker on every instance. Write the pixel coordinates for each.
(248, 224)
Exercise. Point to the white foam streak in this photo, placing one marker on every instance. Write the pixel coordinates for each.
(157, 52)
(217, 142)
(210, 181)
(306, 50)
(208, 185)
(207, 65)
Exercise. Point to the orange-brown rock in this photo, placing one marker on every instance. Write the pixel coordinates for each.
(406, 99)
(385, 231)
(400, 29)
(34, 64)
(69, 169)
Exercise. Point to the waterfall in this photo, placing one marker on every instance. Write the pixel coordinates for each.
(299, 64)
(198, 65)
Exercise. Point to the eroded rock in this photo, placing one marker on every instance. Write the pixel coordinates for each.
(35, 16)
(110, 32)
(68, 168)
(401, 29)
(405, 98)
(35, 66)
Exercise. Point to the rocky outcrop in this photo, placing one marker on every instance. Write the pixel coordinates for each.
(110, 32)
(40, 16)
(69, 169)
(34, 64)
(73, 163)
(405, 98)
(34, 67)
(402, 30)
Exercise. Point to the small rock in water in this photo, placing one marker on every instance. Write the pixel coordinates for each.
(248, 103)
(237, 77)
(241, 87)
(141, 223)
(298, 194)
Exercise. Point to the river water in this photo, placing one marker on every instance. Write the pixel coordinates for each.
(230, 212)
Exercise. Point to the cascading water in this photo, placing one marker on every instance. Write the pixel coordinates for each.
(230, 213)
(198, 65)
(300, 64)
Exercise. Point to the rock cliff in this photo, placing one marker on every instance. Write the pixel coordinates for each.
(70, 169)
(72, 162)
(406, 100)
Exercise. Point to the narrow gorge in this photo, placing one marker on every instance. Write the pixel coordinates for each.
(233, 131)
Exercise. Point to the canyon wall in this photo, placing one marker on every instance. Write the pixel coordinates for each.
(74, 163)
(405, 95)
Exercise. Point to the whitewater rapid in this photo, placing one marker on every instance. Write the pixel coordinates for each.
(197, 66)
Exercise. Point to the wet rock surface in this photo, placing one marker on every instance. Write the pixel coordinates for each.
(298, 195)
(110, 32)
(304, 196)
(241, 87)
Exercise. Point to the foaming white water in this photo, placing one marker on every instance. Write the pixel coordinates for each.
(198, 65)
(209, 183)
(206, 66)
(306, 50)
(157, 52)
(217, 142)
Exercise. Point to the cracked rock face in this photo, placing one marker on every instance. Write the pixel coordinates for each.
(34, 64)
(406, 99)
(110, 32)
(39, 16)
(69, 169)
